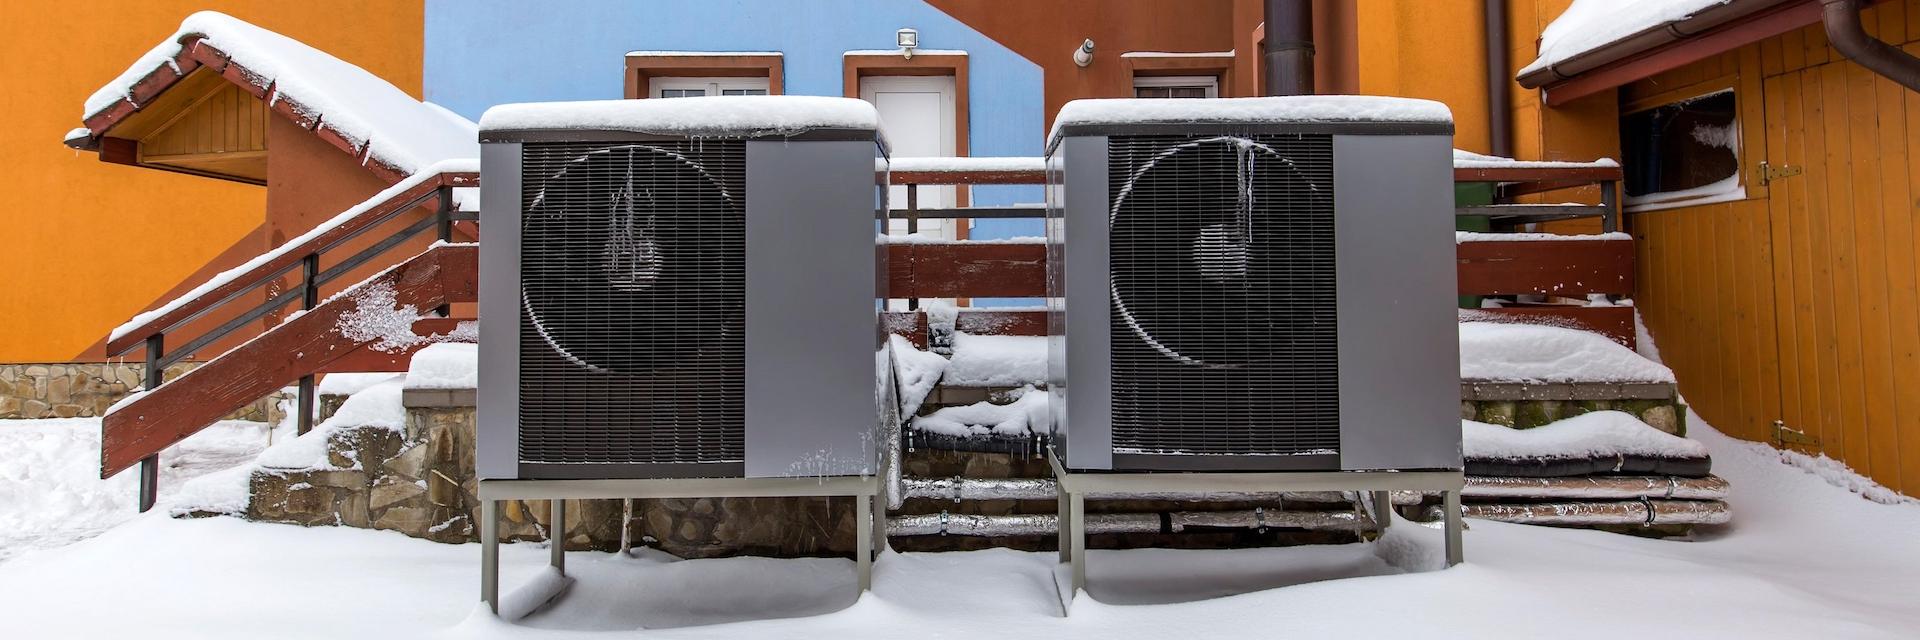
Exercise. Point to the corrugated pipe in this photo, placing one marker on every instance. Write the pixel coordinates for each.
(1581, 488)
(1842, 19)
(1175, 522)
(1586, 514)
(1499, 84)
(958, 488)
(1289, 38)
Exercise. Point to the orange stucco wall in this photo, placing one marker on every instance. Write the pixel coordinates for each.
(86, 244)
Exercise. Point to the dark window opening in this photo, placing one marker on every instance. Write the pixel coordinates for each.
(1680, 151)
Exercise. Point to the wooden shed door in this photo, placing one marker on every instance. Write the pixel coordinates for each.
(1844, 148)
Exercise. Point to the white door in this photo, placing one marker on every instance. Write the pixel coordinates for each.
(917, 117)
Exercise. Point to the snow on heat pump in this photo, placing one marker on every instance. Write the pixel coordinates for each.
(1252, 284)
(682, 288)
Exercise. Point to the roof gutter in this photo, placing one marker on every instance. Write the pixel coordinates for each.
(1842, 19)
(1499, 88)
(1714, 30)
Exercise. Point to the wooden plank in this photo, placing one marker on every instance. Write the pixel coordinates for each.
(1616, 323)
(1846, 270)
(292, 256)
(364, 359)
(1584, 175)
(1823, 420)
(1907, 369)
(911, 325)
(966, 177)
(1903, 279)
(1572, 268)
(1004, 323)
(967, 270)
(302, 346)
(1875, 337)
(1778, 236)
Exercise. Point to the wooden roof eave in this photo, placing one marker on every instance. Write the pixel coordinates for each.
(1669, 47)
(194, 54)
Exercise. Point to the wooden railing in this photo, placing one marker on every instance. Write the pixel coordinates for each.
(182, 322)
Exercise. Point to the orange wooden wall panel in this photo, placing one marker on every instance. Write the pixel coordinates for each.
(1802, 303)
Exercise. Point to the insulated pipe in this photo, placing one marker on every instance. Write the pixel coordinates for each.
(1842, 19)
(1176, 522)
(1587, 514)
(1289, 38)
(1499, 84)
(1046, 489)
(1582, 488)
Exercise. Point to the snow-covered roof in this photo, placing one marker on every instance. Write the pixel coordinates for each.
(1315, 108)
(1590, 25)
(391, 127)
(698, 116)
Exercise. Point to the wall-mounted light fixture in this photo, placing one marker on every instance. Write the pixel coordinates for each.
(1083, 56)
(908, 39)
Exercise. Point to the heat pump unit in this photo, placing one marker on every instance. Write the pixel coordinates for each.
(682, 287)
(1253, 284)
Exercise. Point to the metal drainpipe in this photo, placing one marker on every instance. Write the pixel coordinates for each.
(1842, 19)
(1499, 84)
(1289, 57)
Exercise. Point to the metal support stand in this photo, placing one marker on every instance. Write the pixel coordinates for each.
(871, 513)
(557, 536)
(1075, 486)
(1382, 509)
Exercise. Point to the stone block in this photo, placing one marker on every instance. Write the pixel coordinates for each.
(390, 490)
(1500, 412)
(1665, 418)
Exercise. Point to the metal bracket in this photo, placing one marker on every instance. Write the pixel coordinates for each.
(1784, 435)
(1770, 173)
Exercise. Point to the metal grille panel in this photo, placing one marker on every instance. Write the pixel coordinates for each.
(633, 298)
(1223, 295)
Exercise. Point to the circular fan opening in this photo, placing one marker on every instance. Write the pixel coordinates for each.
(1196, 249)
(632, 259)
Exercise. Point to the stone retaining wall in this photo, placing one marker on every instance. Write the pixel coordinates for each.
(87, 389)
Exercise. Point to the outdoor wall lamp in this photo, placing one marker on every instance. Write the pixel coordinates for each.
(908, 39)
(1083, 56)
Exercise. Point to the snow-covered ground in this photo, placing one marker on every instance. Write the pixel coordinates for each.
(1804, 558)
(51, 493)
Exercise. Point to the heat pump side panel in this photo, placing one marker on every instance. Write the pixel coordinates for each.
(1398, 335)
(497, 429)
(810, 310)
(1081, 328)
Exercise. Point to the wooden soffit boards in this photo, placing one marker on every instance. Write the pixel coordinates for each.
(203, 125)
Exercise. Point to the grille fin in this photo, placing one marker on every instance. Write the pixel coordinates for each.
(1223, 294)
(633, 291)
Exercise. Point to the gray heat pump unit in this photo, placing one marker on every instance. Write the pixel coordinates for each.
(1253, 284)
(683, 287)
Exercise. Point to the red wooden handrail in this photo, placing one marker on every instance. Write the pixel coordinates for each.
(287, 256)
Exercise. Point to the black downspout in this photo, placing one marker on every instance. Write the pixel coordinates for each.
(1499, 83)
(1842, 18)
(1289, 47)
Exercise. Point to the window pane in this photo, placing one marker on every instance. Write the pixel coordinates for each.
(682, 93)
(743, 92)
(1189, 92)
(1683, 146)
(1150, 92)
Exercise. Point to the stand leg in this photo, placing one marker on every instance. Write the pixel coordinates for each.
(879, 523)
(1382, 510)
(1454, 552)
(863, 548)
(1063, 517)
(490, 554)
(557, 536)
(1077, 504)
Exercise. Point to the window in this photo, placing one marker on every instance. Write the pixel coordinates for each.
(676, 87)
(1682, 153)
(1176, 87)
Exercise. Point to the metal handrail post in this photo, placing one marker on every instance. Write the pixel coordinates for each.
(150, 465)
(310, 297)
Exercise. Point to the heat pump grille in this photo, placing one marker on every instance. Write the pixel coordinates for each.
(633, 291)
(1223, 295)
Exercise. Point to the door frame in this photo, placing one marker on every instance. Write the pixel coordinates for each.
(858, 65)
